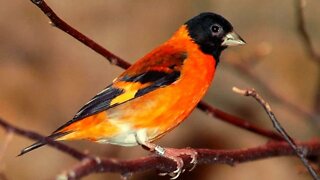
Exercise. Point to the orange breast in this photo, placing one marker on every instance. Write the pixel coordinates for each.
(163, 109)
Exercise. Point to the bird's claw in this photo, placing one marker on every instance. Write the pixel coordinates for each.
(174, 154)
(176, 173)
(194, 160)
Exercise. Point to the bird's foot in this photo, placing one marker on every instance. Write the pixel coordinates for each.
(174, 154)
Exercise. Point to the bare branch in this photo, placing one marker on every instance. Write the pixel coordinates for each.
(299, 152)
(59, 23)
(206, 156)
(311, 51)
(90, 164)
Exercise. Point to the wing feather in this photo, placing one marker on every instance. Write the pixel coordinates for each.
(134, 83)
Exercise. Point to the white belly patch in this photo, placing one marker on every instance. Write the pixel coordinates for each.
(126, 137)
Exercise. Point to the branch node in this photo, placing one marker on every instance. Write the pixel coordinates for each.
(113, 61)
(252, 92)
(97, 160)
(52, 24)
(303, 150)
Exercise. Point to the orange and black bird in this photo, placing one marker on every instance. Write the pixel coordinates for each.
(156, 93)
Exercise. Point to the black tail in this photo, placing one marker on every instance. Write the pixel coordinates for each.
(42, 143)
(32, 147)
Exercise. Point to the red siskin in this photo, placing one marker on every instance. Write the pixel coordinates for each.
(156, 93)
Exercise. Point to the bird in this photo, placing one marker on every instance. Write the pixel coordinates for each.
(156, 93)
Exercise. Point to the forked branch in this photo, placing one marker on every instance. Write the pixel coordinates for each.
(276, 124)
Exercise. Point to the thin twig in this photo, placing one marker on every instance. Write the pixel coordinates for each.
(299, 151)
(248, 71)
(60, 24)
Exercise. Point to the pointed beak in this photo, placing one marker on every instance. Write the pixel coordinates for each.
(232, 39)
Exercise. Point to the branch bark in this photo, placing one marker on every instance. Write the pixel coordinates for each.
(90, 164)
(206, 156)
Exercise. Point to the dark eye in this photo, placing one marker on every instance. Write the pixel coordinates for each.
(215, 28)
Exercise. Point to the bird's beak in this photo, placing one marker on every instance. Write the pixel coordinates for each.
(232, 39)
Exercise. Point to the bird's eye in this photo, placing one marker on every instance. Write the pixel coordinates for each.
(215, 28)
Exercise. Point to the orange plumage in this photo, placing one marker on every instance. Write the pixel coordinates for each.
(160, 110)
(156, 93)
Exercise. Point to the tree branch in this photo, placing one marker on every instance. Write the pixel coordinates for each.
(206, 156)
(246, 70)
(59, 23)
(113, 59)
(299, 152)
(91, 164)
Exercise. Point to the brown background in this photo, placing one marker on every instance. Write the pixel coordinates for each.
(46, 76)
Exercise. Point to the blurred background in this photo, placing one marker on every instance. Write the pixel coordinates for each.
(46, 76)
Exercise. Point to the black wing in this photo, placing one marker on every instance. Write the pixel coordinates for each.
(153, 77)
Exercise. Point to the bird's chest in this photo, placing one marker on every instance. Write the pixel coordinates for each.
(163, 109)
(166, 107)
(181, 97)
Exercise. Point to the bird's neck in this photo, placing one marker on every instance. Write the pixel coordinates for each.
(182, 35)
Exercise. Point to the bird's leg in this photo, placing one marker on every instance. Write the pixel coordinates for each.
(172, 154)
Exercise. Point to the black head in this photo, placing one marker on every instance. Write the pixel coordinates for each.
(212, 33)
